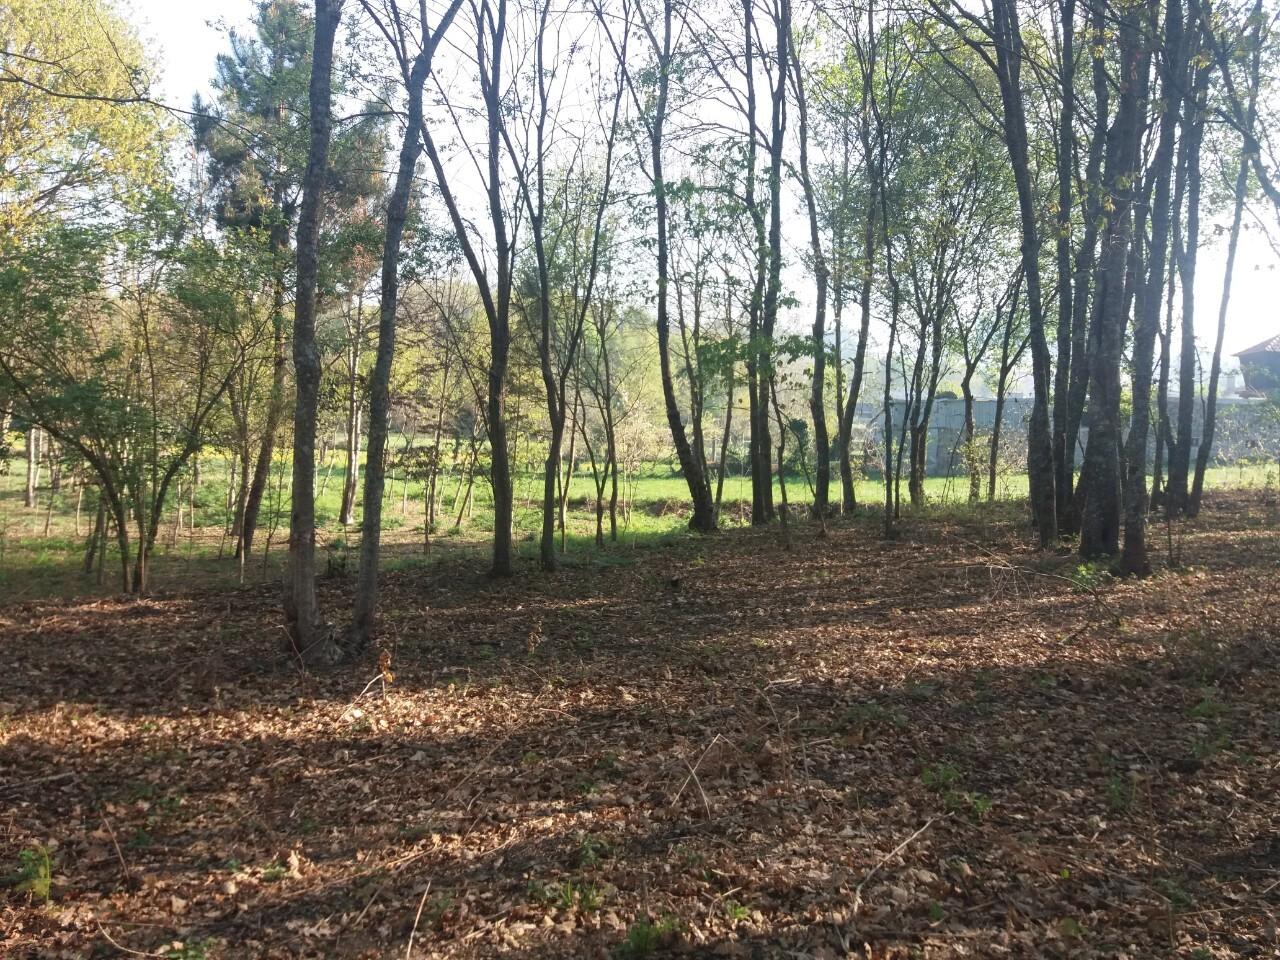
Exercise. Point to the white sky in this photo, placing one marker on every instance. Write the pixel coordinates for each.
(185, 37)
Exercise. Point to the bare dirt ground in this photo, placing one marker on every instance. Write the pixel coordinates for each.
(947, 745)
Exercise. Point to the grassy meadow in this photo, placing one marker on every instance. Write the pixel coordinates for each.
(42, 549)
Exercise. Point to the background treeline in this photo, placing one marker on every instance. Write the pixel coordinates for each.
(466, 242)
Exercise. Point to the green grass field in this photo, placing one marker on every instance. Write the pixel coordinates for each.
(42, 548)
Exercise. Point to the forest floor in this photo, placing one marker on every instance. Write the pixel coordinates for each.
(945, 745)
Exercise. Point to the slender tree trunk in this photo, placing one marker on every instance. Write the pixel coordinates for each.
(1215, 369)
(312, 639)
(1134, 558)
(1178, 494)
(724, 440)
(1040, 465)
(1065, 162)
(704, 518)
(818, 385)
(276, 404)
(848, 498)
(366, 604)
(1100, 475)
(33, 467)
(351, 479)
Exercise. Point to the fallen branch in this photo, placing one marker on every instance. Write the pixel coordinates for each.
(416, 920)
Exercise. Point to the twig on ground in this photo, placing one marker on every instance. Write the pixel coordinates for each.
(857, 891)
(408, 950)
(121, 947)
(128, 874)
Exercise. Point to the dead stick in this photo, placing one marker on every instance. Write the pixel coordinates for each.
(128, 876)
(418, 917)
(857, 892)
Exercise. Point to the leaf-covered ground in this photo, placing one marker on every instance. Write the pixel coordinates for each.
(947, 745)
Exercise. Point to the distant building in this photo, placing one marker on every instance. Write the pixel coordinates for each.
(1261, 366)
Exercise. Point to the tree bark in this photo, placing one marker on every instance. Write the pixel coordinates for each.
(817, 389)
(1241, 193)
(1134, 560)
(1040, 466)
(311, 638)
(415, 77)
(1100, 475)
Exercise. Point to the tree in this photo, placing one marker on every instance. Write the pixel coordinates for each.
(1239, 195)
(996, 37)
(821, 276)
(312, 639)
(255, 135)
(122, 341)
(73, 122)
(414, 66)
(489, 35)
(652, 111)
(1100, 485)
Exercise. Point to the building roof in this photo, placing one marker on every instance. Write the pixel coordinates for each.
(1270, 345)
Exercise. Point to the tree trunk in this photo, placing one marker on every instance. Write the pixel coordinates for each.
(1215, 369)
(380, 383)
(1178, 494)
(1064, 159)
(312, 639)
(1100, 475)
(33, 467)
(704, 518)
(1134, 558)
(1040, 466)
(275, 408)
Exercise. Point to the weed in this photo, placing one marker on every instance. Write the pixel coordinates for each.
(979, 806)
(687, 857)
(1209, 707)
(142, 839)
(940, 777)
(274, 871)
(608, 765)
(587, 897)
(436, 908)
(862, 717)
(1071, 928)
(540, 892)
(922, 692)
(34, 875)
(1122, 793)
(1088, 577)
(936, 913)
(1205, 747)
(591, 850)
(1179, 899)
(645, 936)
(736, 911)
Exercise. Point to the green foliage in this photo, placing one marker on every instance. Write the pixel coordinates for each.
(1088, 577)
(645, 936)
(274, 872)
(34, 875)
(1122, 793)
(584, 895)
(592, 850)
(939, 777)
(736, 911)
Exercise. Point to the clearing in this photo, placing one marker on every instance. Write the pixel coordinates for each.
(947, 745)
